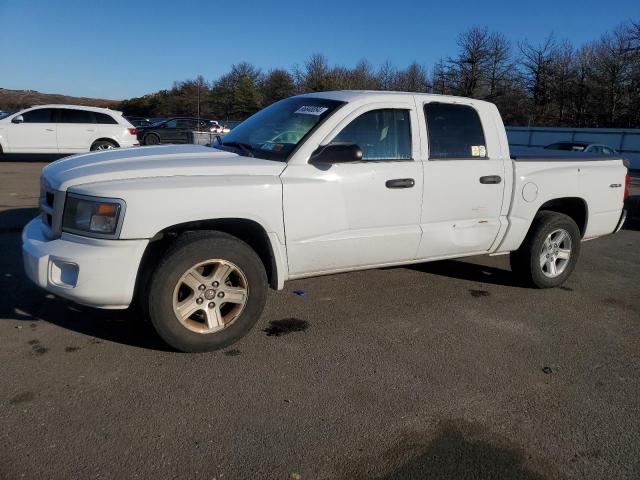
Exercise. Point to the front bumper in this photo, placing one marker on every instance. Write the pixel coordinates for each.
(95, 272)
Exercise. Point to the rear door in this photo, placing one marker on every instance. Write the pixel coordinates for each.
(464, 181)
(76, 130)
(37, 134)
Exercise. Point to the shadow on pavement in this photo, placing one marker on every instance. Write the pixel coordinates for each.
(455, 453)
(13, 220)
(23, 301)
(31, 157)
(468, 271)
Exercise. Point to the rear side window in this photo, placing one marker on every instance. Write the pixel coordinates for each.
(455, 132)
(41, 115)
(104, 119)
(380, 134)
(67, 115)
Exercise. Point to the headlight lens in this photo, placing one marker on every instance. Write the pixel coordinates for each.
(96, 217)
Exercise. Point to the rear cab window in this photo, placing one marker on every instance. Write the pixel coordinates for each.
(454, 132)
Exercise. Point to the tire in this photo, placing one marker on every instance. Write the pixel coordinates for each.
(541, 259)
(103, 145)
(196, 257)
(152, 139)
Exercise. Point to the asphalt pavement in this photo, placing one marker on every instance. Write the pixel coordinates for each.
(446, 370)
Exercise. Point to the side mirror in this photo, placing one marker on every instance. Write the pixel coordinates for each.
(337, 153)
(17, 119)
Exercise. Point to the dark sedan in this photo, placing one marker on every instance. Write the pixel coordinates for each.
(174, 130)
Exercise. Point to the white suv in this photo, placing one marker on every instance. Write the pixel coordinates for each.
(65, 129)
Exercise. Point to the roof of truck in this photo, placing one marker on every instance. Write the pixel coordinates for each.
(351, 95)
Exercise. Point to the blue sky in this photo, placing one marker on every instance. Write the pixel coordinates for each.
(119, 49)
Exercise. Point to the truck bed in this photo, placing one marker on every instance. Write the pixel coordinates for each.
(544, 155)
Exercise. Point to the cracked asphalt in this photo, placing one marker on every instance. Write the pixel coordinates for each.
(446, 370)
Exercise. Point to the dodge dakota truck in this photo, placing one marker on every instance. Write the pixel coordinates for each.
(312, 185)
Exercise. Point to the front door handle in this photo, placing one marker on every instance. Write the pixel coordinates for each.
(49, 129)
(490, 179)
(400, 183)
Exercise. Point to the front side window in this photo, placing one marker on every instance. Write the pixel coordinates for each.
(171, 123)
(381, 135)
(455, 132)
(67, 115)
(40, 115)
(275, 132)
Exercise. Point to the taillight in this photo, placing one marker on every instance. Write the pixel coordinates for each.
(627, 180)
(132, 131)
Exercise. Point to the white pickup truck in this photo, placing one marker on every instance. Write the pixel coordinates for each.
(312, 185)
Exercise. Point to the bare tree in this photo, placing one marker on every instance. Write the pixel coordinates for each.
(412, 79)
(468, 69)
(536, 62)
(387, 76)
(500, 68)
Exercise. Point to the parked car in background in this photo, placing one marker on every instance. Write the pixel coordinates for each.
(585, 147)
(216, 127)
(176, 130)
(3, 114)
(65, 129)
(139, 121)
(312, 185)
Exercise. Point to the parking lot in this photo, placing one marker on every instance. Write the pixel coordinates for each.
(443, 370)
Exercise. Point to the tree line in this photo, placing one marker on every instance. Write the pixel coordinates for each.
(551, 83)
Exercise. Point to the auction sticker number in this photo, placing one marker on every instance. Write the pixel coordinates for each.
(311, 110)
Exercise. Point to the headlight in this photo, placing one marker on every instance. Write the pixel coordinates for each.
(92, 216)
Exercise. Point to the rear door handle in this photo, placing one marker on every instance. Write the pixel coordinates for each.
(400, 183)
(490, 179)
(49, 129)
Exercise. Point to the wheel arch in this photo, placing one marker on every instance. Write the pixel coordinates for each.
(249, 231)
(104, 139)
(574, 207)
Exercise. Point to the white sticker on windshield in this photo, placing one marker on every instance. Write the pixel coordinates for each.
(311, 110)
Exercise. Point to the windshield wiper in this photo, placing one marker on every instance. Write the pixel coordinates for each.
(244, 147)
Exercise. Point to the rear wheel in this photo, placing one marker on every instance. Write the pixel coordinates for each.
(151, 139)
(549, 252)
(208, 292)
(103, 145)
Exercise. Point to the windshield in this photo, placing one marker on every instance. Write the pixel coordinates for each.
(273, 133)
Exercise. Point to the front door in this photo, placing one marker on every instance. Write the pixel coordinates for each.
(352, 215)
(37, 134)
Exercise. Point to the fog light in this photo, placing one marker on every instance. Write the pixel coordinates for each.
(62, 273)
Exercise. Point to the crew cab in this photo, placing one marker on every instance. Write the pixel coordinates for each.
(312, 185)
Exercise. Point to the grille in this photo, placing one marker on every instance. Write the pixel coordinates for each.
(50, 210)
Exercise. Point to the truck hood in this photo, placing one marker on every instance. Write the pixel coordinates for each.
(160, 161)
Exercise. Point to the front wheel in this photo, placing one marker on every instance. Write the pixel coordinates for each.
(549, 252)
(207, 292)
